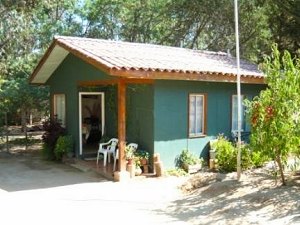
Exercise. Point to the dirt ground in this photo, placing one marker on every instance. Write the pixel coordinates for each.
(34, 191)
(214, 198)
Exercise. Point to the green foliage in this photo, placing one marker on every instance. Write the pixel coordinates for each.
(18, 97)
(197, 24)
(246, 156)
(64, 144)
(53, 130)
(258, 158)
(226, 154)
(187, 158)
(27, 27)
(137, 161)
(142, 154)
(177, 172)
(129, 153)
(284, 17)
(274, 114)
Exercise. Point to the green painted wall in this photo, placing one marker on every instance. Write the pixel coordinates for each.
(156, 114)
(111, 111)
(171, 115)
(64, 80)
(140, 116)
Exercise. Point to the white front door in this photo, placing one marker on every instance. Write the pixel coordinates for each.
(91, 116)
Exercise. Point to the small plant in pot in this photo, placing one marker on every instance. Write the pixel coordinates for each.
(129, 155)
(189, 162)
(143, 156)
(137, 162)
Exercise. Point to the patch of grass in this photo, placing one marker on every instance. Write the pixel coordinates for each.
(178, 172)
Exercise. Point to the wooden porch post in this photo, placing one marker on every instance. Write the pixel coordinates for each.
(122, 124)
(121, 174)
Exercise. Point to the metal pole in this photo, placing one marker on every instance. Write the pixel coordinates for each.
(238, 87)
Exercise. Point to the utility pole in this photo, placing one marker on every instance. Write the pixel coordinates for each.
(238, 87)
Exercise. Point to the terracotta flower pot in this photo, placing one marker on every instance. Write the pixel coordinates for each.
(144, 161)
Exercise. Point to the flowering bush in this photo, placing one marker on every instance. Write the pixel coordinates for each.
(275, 128)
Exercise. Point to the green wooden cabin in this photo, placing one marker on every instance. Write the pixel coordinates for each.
(166, 99)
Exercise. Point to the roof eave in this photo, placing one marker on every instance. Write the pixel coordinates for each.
(194, 76)
(42, 62)
(85, 57)
(56, 42)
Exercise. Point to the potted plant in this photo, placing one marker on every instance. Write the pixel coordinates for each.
(189, 162)
(137, 162)
(129, 154)
(144, 156)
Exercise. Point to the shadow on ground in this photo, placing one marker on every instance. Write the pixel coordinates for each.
(30, 171)
(246, 202)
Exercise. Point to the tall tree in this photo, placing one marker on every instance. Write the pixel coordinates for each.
(26, 30)
(274, 114)
(209, 25)
(284, 22)
(28, 26)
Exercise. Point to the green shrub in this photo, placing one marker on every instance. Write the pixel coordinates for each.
(53, 130)
(187, 158)
(246, 157)
(225, 154)
(258, 158)
(64, 144)
(178, 172)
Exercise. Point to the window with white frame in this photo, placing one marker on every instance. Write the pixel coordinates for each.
(59, 108)
(196, 115)
(234, 114)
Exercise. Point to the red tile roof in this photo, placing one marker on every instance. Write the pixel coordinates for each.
(154, 61)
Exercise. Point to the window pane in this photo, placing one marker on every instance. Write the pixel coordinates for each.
(192, 114)
(59, 108)
(234, 113)
(199, 114)
(196, 115)
(234, 119)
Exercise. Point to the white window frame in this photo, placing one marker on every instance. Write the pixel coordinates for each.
(203, 114)
(60, 115)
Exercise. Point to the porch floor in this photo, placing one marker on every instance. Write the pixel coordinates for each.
(105, 171)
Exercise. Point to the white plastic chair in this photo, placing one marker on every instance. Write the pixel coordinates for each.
(134, 147)
(106, 149)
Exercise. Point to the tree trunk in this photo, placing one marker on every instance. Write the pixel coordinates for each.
(6, 132)
(24, 127)
(278, 160)
(23, 120)
(30, 118)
